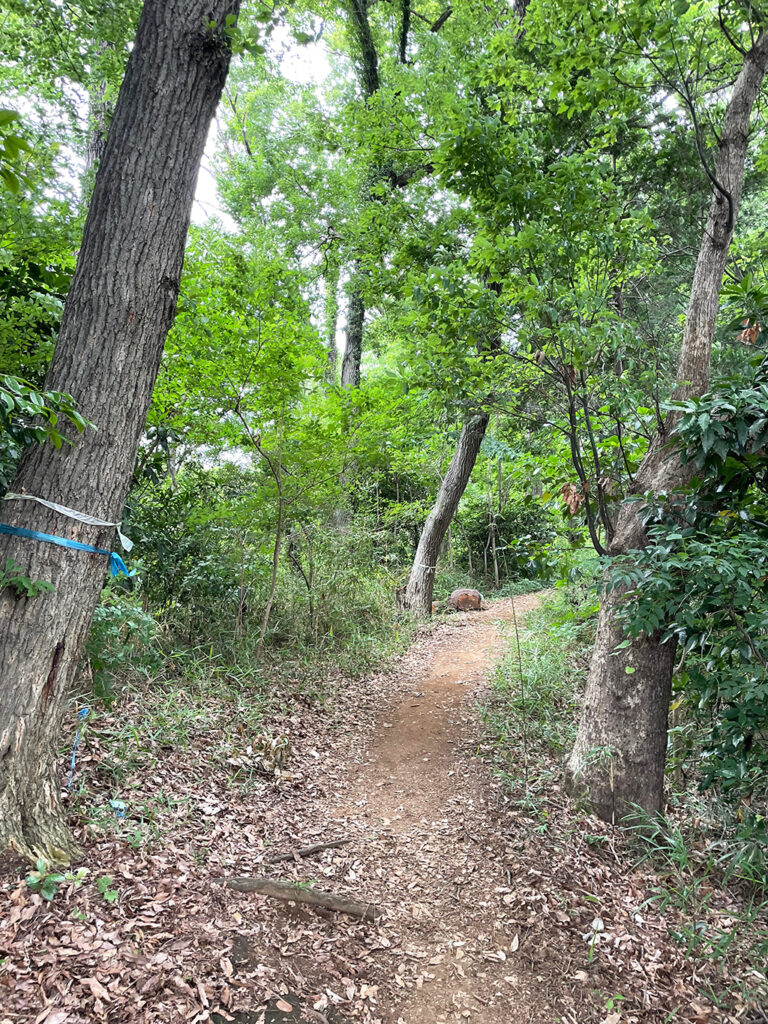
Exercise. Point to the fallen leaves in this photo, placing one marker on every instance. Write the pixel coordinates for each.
(484, 910)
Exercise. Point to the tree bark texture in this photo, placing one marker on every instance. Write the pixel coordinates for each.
(331, 317)
(117, 315)
(296, 893)
(353, 350)
(369, 60)
(405, 28)
(97, 127)
(619, 756)
(418, 593)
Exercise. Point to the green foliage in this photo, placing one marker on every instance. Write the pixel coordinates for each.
(44, 881)
(47, 882)
(520, 532)
(519, 212)
(537, 685)
(34, 278)
(206, 551)
(693, 876)
(15, 578)
(105, 885)
(123, 642)
(702, 582)
(12, 148)
(30, 416)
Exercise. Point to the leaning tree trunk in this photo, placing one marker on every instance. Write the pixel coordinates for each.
(418, 593)
(117, 315)
(619, 755)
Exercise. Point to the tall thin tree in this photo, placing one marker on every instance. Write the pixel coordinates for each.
(417, 597)
(421, 582)
(369, 83)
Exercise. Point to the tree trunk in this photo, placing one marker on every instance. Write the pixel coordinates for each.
(369, 82)
(405, 28)
(353, 352)
(278, 475)
(331, 320)
(619, 755)
(418, 593)
(369, 58)
(98, 121)
(117, 315)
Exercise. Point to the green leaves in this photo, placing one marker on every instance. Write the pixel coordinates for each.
(47, 882)
(703, 578)
(11, 149)
(14, 577)
(31, 416)
(105, 885)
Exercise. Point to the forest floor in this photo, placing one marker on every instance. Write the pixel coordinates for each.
(492, 912)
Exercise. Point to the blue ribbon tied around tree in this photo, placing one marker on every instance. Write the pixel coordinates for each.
(116, 564)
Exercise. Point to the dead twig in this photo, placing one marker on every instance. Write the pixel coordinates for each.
(306, 851)
(292, 891)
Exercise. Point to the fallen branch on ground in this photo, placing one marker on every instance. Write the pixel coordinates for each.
(307, 851)
(303, 894)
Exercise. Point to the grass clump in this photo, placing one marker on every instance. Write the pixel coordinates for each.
(537, 685)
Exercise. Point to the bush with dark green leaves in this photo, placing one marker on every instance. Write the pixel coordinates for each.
(124, 642)
(703, 583)
(29, 415)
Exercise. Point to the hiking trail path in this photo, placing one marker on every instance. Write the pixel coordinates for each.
(502, 904)
(422, 787)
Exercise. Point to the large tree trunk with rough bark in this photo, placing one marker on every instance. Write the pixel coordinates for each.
(418, 593)
(117, 315)
(619, 755)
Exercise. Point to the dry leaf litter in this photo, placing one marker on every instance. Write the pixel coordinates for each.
(488, 916)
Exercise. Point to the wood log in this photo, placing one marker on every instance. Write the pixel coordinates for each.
(303, 894)
(306, 851)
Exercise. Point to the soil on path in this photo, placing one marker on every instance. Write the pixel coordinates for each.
(423, 790)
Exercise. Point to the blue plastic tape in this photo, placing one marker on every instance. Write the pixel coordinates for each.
(116, 564)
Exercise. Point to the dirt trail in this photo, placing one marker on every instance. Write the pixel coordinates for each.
(425, 793)
(497, 910)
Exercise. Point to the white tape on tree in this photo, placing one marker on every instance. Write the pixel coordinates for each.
(72, 513)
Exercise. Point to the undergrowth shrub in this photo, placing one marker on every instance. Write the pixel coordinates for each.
(124, 642)
(709, 873)
(522, 531)
(195, 609)
(701, 582)
(709, 859)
